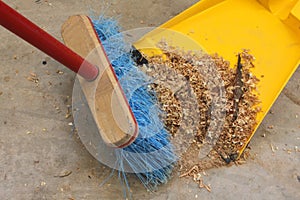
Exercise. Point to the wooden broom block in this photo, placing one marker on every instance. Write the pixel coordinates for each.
(112, 114)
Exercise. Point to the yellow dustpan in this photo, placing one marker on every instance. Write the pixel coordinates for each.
(270, 29)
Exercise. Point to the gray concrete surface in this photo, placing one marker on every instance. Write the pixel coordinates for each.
(37, 144)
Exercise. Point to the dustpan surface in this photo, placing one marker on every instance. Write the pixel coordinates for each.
(230, 26)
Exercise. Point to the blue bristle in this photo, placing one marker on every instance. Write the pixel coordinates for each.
(151, 155)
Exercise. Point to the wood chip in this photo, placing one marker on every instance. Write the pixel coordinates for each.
(272, 148)
(64, 173)
(59, 72)
(237, 128)
(33, 78)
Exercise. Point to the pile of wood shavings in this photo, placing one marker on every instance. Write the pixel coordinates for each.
(240, 108)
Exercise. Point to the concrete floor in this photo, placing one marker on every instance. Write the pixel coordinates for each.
(37, 144)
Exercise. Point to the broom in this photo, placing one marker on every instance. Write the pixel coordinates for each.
(150, 156)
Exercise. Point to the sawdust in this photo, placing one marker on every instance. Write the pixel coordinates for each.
(197, 79)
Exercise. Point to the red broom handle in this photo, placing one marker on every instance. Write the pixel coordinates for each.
(19, 25)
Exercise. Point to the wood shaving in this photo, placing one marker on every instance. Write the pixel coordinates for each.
(64, 173)
(69, 113)
(33, 78)
(238, 124)
(59, 72)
